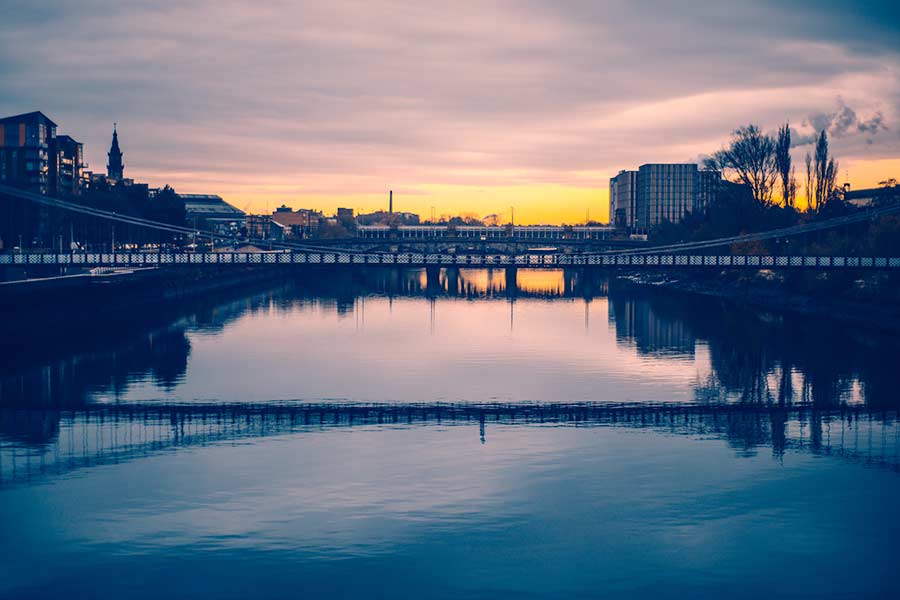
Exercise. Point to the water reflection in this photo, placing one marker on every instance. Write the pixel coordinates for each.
(758, 357)
(720, 353)
(36, 444)
(561, 436)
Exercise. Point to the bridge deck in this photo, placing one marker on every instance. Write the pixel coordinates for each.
(528, 260)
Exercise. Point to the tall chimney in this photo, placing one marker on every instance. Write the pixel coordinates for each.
(391, 203)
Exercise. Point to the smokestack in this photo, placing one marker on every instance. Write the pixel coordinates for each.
(391, 203)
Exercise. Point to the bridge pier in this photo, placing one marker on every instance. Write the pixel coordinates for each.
(570, 280)
(512, 281)
(432, 278)
(452, 281)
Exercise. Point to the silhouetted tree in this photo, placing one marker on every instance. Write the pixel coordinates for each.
(809, 196)
(824, 173)
(167, 207)
(783, 164)
(750, 158)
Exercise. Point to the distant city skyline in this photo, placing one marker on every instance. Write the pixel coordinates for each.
(527, 104)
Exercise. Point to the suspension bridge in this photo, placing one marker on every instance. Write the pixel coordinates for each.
(700, 254)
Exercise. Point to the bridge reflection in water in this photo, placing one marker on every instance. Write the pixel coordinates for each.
(772, 382)
(43, 444)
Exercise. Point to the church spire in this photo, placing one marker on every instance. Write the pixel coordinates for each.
(115, 169)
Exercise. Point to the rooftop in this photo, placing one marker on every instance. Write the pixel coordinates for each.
(26, 116)
(208, 205)
(872, 193)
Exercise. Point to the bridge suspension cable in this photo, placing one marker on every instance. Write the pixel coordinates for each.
(148, 223)
(669, 248)
(765, 235)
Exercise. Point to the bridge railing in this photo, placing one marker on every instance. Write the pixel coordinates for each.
(530, 260)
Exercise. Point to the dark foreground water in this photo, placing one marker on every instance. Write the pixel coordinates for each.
(371, 436)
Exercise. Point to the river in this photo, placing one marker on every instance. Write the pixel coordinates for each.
(374, 434)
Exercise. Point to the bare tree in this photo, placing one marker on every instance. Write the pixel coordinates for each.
(750, 157)
(793, 186)
(824, 172)
(810, 201)
(783, 164)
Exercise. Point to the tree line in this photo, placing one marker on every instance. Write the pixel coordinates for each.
(763, 163)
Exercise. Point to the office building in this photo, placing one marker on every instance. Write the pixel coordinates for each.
(623, 199)
(65, 166)
(655, 193)
(25, 151)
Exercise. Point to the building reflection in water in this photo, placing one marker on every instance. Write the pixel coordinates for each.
(773, 381)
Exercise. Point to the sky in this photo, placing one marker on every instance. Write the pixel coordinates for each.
(467, 107)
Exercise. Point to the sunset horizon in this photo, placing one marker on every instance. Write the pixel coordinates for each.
(507, 105)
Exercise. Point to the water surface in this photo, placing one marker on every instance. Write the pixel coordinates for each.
(377, 434)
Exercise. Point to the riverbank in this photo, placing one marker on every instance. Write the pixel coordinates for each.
(126, 287)
(768, 291)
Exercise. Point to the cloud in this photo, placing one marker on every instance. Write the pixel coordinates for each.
(351, 97)
(842, 122)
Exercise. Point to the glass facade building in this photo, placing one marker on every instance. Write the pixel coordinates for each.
(659, 192)
(623, 199)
